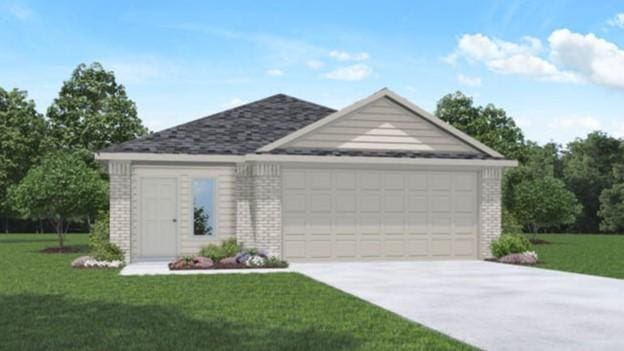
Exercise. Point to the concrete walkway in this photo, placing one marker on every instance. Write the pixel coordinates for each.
(161, 268)
(490, 305)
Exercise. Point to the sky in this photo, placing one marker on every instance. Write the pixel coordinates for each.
(557, 67)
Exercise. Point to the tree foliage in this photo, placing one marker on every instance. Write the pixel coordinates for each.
(544, 202)
(612, 209)
(589, 167)
(62, 188)
(22, 135)
(490, 125)
(93, 111)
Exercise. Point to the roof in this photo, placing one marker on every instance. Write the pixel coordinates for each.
(265, 126)
(237, 131)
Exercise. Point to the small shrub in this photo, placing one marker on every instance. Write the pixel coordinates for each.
(274, 262)
(509, 244)
(227, 248)
(101, 248)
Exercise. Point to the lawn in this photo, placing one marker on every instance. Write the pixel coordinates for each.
(589, 254)
(46, 305)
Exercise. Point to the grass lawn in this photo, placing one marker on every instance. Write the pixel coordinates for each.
(46, 305)
(595, 254)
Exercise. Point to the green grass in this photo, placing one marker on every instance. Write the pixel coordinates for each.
(588, 253)
(46, 305)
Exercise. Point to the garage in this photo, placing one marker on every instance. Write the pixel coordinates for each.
(368, 214)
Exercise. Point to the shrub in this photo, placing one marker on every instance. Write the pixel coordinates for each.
(508, 244)
(101, 248)
(509, 224)
(274, 262)
(227, 248)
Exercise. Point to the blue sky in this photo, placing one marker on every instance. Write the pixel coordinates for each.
(556, 66)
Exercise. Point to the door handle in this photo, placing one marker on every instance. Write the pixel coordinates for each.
(174, 220)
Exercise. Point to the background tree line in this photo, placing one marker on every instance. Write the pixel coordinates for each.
(48, 175)
(49, 179)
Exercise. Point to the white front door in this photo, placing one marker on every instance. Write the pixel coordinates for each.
(158, 224)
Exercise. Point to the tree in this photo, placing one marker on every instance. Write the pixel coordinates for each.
(544, 203)
(93, 111)
(62, 188)
(22, 135)
(201, 222)
(490, 125)
(612, 209)
(588, 169)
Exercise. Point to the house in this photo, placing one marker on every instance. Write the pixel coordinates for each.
(381, 179)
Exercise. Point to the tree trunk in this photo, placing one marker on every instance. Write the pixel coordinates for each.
(6, 225)
(60, 231)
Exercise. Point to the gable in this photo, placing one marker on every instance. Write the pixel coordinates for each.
(382, 124)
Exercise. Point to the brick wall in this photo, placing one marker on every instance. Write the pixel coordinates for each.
(120, 203)
(259, 208)
(489, 209)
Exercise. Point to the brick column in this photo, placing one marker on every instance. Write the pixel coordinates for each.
(489, 209)
(259, 207)
(120, 209)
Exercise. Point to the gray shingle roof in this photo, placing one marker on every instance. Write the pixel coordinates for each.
(245, 129)
(237, 131)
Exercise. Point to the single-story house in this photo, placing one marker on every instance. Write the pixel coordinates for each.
(381, 179)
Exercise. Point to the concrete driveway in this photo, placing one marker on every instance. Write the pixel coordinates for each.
(489, 305)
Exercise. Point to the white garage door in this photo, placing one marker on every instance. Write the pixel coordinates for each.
(369, 214)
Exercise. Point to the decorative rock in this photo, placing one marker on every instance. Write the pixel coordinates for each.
(80, 261)
(201, 262)
(242, 257)
(255, 261)
(229, 260)
(527, 258)
(195, 262)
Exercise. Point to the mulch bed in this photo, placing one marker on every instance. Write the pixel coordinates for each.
(217, 266)
(539, 241)
(55, 250)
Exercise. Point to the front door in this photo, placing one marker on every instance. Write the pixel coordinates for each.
(158, 224)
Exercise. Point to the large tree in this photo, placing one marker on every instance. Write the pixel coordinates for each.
(62, 188)
(93, 111)
(490, 125)
(588, 169)
(22, 136)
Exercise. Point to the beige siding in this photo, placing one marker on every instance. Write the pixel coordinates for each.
(189, 244)
(382, 125)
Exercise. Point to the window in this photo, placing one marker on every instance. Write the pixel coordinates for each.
(204, 206)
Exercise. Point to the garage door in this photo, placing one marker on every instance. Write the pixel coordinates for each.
(357, 214)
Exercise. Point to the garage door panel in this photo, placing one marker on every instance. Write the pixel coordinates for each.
(319, 248)
(358, 214)
(370, 203)
(294, 202)
(441, 247)
(345, 248)
(294, 249)
(370, 248)
(319, 225)
(394, 202)
(319, 180)
(394, 248)
(294, 226)
(294, 180)
(345, 202)
(418, 247)
(345, 225)
(320, 202)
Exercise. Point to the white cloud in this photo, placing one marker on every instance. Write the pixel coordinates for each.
(617, 20)
(583, 124)
(469, 81)
(234, 102)
(315, 64)
(347, 56)
(349, 73)
(599, 60)
(505, 57)
(275, 72)
(19, 12)
(617, 129)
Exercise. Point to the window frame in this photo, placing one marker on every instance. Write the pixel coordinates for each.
(215, 207)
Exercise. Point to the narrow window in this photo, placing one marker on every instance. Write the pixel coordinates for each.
(203, 207)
